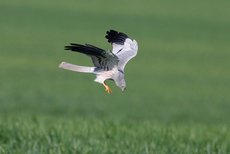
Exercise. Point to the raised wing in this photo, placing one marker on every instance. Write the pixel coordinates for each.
(123, 47)
(100, 57)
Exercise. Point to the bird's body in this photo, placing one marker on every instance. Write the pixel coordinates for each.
(107, 64)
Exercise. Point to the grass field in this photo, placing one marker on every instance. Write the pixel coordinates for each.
(177, 97)
(79, 135)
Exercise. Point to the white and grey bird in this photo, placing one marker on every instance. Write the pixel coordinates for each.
(107, 64)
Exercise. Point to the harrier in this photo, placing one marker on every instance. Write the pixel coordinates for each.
(107, 64)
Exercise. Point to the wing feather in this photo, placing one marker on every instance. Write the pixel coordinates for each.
(123, 47)
(96, 54)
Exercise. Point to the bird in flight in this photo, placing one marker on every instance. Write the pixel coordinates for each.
(107, 64)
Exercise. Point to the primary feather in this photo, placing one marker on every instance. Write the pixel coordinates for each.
(123, 47)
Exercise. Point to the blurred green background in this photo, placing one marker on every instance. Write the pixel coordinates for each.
(181, 73)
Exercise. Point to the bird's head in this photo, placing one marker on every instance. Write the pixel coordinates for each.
(123, 88)
(121, 84)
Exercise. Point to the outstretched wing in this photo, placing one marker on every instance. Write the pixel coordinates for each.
(123, 47)
(100, 57)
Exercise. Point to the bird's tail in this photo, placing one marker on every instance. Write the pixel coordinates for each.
(76, 68)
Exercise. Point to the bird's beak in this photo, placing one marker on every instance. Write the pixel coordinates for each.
(122, 88)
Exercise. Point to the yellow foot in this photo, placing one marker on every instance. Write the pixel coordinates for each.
(107, 88)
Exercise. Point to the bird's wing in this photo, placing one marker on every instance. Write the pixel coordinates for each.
(123, 47)
(100, 57)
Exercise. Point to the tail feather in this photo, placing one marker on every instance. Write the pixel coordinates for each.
(76, 68)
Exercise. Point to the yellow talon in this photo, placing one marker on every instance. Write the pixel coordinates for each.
(107, 88)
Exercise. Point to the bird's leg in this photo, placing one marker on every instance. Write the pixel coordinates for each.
(107, 88)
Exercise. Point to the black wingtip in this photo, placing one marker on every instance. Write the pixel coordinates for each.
(85, 49)
(73, 46)
(68, 48)
(116, 37)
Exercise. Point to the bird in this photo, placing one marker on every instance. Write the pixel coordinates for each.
(108, 65)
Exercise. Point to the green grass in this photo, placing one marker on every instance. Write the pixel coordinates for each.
(78, 135)
(177, 96)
